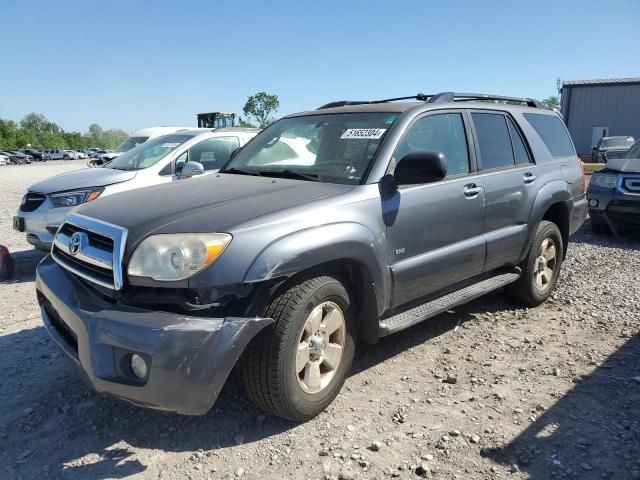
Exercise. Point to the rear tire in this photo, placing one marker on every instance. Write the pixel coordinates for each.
(541, 268)
(296, 368)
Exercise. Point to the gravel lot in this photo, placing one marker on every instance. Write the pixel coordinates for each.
(486, 391)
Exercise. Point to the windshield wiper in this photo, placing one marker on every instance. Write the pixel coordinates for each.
(238, 171)
(288, 173)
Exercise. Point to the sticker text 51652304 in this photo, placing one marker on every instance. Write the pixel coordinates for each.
(363, 133)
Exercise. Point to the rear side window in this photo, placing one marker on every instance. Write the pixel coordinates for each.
(494, 140)
(519, 149)
(553, 134)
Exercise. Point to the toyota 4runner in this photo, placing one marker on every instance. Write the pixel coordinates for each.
(350, 222)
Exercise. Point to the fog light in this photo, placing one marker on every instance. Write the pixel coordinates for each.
(593, 202)
(138, 366)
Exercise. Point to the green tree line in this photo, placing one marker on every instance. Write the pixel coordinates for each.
(38, 132)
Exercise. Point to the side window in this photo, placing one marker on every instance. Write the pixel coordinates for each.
(519, 148)
(493, 140)
(553, 133)
(213, 153)
(441, 133)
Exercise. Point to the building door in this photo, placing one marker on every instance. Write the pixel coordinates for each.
(597, 133)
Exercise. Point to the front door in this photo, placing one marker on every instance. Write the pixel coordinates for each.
(435, 231)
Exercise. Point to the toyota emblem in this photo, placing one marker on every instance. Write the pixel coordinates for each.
(74, 243)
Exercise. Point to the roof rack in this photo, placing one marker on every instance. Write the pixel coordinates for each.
(441, 98)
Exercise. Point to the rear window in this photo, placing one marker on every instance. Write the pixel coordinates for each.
(553, 134)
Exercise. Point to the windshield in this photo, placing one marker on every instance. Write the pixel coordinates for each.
(130, 142)
(634, 152)
(618, 142)
(333, 148)
(148, 153)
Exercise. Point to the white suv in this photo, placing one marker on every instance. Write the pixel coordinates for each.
(163, 159)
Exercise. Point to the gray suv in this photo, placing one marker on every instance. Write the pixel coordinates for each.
(343, 224)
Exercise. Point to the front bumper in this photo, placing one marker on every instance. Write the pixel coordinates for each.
(189, 358)
(613, 207)
(42, 223)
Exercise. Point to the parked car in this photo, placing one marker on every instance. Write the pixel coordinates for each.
(409, 209)
(608, 148)
(614, 195)
(4, 160)
(133, 140)
(14, 158)
(23, 156)
(57, 155)
(163, 159)
(37, 155)
(80, 154)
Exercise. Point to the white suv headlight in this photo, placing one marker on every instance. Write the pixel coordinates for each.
(172, 257)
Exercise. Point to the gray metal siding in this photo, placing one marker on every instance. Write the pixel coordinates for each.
(613, 106)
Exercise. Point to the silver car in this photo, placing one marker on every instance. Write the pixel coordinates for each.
(163, 159)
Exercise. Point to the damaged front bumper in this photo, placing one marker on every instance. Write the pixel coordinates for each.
(188, 358)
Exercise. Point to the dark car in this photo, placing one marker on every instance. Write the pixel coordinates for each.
(609, 148)
(614, 195)
(26, 158)
(37, 155)
(350, 222)
(14, 158)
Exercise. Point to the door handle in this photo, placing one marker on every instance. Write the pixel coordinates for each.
(471, 190)
(529, 177)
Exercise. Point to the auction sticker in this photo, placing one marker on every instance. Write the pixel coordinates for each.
(170, 145)
(363, 133)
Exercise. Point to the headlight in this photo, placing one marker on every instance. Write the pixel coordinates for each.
(604, 180)
(77, 197)
(172, 257)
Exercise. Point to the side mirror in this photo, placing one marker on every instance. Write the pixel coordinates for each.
(191, 169)
(420, 167)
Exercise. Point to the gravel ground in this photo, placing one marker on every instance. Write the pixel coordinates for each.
(486, 391)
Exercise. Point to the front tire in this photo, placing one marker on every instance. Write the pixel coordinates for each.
(541, 268)
(296, 368)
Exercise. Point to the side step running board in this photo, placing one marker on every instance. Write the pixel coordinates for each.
(442, 304)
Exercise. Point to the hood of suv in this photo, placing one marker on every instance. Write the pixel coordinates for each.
(213, 203)
(85, 178)
(627, 165)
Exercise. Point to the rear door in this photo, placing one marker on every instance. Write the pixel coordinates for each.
(435, 231)
(510, 185)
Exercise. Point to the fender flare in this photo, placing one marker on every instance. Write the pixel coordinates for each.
(551, 193)
(345, 241)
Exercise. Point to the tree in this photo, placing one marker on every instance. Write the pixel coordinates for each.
(260, 106)
(245, 123)
(38, 123)
(551, 102)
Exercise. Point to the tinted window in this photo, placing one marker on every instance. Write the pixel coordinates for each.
(553, 133)
(519, 149)
(493, 140)
(441, 133)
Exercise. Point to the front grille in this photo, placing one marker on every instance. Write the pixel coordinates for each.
(91, 249)
(630, 184)
(32, 201)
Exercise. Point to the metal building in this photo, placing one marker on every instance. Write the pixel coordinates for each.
(596, 108)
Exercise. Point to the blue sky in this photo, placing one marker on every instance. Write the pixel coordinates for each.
(133, 64)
